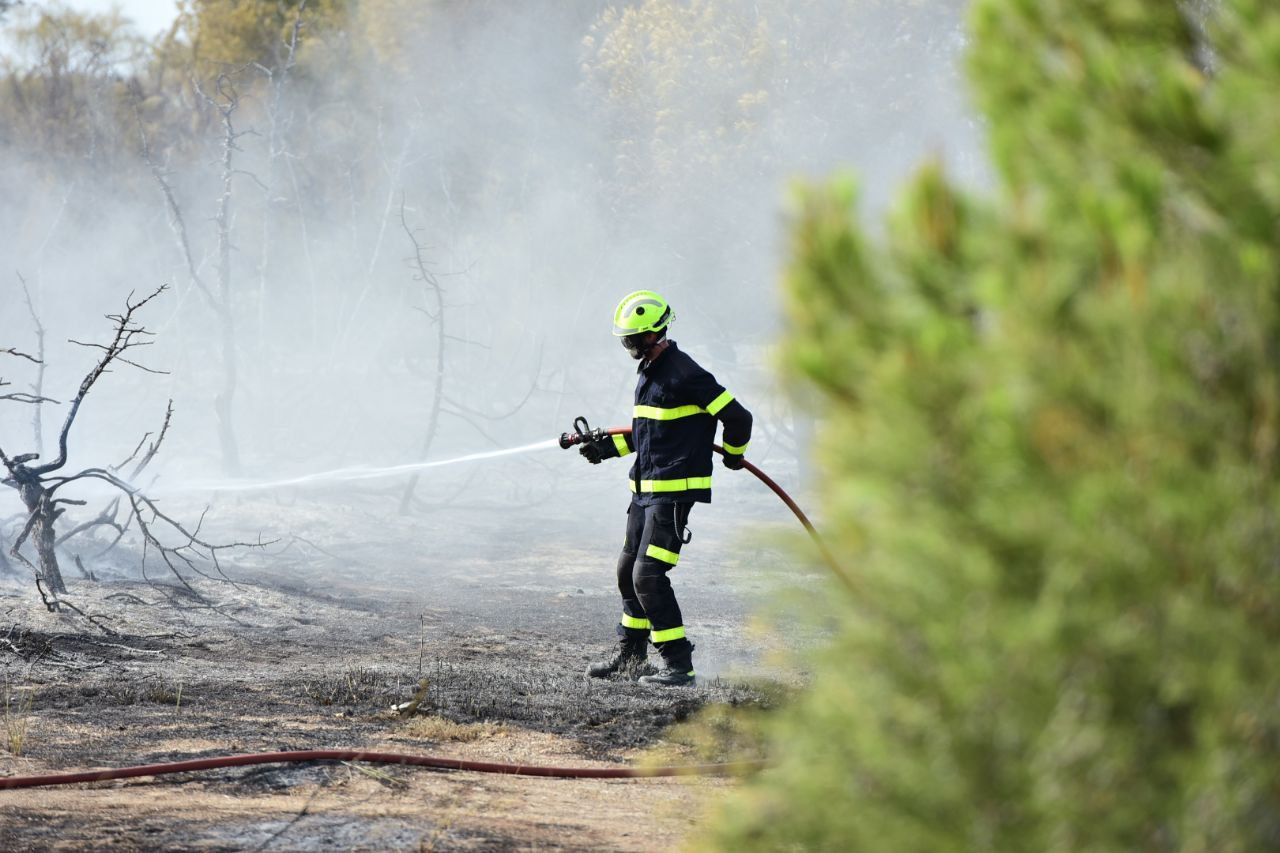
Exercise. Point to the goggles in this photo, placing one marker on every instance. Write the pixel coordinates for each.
(634, 344)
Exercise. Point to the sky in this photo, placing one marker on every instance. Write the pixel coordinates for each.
(150, 16)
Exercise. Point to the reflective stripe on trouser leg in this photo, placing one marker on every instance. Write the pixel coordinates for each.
(660, 553)
(658, 549)
(667, 635)
(633, 615)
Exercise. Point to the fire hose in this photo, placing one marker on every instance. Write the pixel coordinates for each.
(302, 756)
(582, 432)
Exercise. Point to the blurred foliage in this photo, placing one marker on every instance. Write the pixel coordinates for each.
(696, 89)
(212, 36)
(62, 78)
(1049, 454)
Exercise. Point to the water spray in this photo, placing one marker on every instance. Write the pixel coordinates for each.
(353, 474)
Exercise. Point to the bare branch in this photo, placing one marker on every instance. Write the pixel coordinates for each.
(193, 547)
(176, 221)
(461, 408)
(16, 549)
(22, 397)
(18, 354)
(151, 450)
(125, 338)
(467, 341)
(106, 518)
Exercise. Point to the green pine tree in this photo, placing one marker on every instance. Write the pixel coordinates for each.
(1051, 421)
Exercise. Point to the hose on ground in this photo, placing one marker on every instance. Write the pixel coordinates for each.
(432, 761)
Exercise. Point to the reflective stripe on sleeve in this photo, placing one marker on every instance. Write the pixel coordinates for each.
(682, 485)
(667, 635)
(620, 442)
(735, 450)
(656, 414)
(632, 622)
(662, 554)
(719, 403)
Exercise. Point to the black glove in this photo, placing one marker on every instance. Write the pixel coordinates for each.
(590, 451)
(733, 461)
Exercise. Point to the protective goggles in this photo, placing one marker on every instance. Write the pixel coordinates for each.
(635, 344)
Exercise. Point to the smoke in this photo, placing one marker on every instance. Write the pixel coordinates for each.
(541, 159)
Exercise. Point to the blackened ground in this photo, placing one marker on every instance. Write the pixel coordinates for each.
(345, 616)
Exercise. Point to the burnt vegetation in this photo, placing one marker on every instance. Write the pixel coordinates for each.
(45, 487)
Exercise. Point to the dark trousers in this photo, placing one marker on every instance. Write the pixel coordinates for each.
(649, 605)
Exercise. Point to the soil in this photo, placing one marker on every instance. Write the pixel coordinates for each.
(315, 639)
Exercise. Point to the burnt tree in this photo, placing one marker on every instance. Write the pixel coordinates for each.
(223, 101)
(37, 484)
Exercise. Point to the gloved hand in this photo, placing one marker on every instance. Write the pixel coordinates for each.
(590, 451)
(733, 461)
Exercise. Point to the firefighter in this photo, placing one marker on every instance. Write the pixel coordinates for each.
(673, 426)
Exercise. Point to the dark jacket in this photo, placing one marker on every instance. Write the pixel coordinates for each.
(673, 427)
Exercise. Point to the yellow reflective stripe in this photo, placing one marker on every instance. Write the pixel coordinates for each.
(656, 414)
(662, 554)
(672, 485)
(719, 403)
(633, 622)
(669, 634)
(734, 449)
(620, 442)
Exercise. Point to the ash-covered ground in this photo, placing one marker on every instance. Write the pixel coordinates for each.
(498, 603)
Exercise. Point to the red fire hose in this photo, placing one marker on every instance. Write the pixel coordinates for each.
(569, 439)
(301, 756)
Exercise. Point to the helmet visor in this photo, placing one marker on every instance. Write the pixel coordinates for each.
(634, 344)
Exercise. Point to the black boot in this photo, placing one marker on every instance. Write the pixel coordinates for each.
(677, 670)
(630, 659)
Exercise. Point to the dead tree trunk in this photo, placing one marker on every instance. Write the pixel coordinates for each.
(41, 511)
(437, 398)
(37, 387)
(225, 102)
(36, 484)
(44, 513)
(225, 398)
(277, 147)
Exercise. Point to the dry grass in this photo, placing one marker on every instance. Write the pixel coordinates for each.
(441, 729)
(160, 693)
(354, 686)
(16, 718)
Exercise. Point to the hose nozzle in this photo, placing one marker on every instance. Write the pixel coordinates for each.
(581, 432)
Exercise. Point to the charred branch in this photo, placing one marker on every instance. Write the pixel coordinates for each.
(22, 397)
(191, 552)
(106, 518)
(182, 549)
(127, 336)
(152, 448)
(19, 354)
